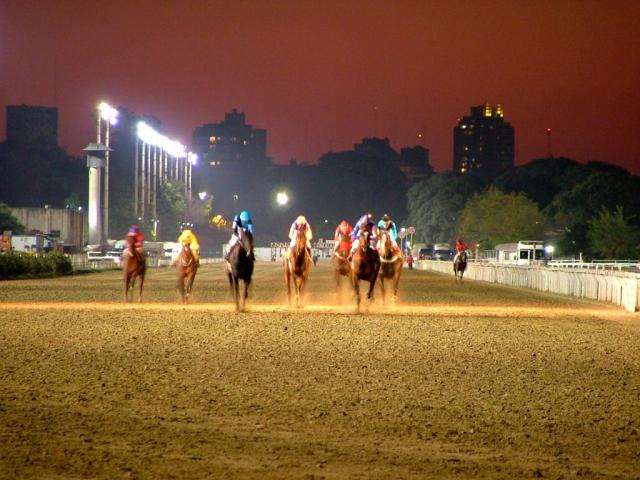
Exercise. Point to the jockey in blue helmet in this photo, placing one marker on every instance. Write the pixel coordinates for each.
(241, 222)
(388, 225)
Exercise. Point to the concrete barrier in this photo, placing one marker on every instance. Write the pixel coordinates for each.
(619, 288)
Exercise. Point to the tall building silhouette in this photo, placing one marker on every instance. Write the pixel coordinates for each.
(32, 125)
(483, 143)
(231, 143)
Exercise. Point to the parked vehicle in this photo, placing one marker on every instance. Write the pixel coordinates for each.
(426, 253)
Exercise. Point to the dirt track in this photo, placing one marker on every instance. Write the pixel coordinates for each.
(472, 381)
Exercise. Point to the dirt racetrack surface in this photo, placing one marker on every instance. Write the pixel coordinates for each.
(455, 381)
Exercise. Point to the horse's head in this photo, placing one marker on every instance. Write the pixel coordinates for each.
(246, 240)
(363, 240)
(301, 236)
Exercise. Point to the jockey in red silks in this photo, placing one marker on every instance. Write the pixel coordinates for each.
(460, 247)
(136, 237)
(343, 238)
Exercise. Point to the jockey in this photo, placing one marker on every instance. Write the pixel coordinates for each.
(241, 222)
(136, 237)
(364, 224)
(343, 236)
(188, 238)
(301, 222)
(460, 247)
(388, 225)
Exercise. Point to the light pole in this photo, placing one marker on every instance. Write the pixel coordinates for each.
(110, 115)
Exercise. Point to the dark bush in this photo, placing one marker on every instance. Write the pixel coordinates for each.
(14, 264)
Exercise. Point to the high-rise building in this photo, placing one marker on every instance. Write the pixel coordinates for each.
(483, 143)
(32, 126)
(231, 143)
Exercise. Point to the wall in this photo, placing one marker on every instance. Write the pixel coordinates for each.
(70, 223)
(619, 288)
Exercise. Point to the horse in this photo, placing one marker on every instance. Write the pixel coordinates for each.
(240, 267)
(365, 265)
(341, 265)
(390, 264)
(460, 265)
(297, 265)
(134, 265)
(186, 269)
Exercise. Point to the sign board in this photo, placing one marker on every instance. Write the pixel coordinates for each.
(411, 230)
(402, 233)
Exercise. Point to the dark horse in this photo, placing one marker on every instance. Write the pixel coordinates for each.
(341, 265)
(240, 267)
(390, 264)
(186, 268)
(460, 265)
(297, 265)
(134, 265)
(365, 265)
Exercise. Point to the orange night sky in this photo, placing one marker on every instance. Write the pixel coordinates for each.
(319, 76)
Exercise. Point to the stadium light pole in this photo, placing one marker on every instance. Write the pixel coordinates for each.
(110, 116)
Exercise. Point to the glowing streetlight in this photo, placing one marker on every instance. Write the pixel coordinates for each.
(203, 195)
(282, 198)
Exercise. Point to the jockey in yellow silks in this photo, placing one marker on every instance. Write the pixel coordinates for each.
(187, 237)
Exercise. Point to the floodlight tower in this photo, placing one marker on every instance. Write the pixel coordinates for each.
(110, 116)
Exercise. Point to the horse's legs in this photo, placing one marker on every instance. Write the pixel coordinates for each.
(287, 282)
(355, 282)
(140, 291)
(127, 280)
(192, 278)
(382, 290)
(180, 287)
(236, 292)
(245, 294)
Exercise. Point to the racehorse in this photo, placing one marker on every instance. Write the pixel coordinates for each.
(390, 264)
(460, 265)
(365, 265)
(134, 265)
(240, 267)
(297, 265)
(341, 265)
(186, 268)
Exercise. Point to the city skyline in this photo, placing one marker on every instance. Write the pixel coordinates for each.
(320, 80)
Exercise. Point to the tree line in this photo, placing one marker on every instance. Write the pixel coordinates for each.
(579, 208)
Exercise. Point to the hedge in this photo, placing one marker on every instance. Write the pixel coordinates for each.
(16, 264)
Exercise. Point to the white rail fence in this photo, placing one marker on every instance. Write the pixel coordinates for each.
(81, 262)
(619, 288)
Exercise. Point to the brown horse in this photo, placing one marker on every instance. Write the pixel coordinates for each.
(297, 265)
(134, 265)
(341, 265)
(460, 265)
(240, 267)
(365, 265)
(186, 269)
(390, 264)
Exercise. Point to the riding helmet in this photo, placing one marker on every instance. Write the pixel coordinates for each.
(245, 216)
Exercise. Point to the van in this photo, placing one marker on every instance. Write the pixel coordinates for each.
(426, 253)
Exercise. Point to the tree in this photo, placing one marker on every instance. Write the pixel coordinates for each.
(613, 236)
(494, 217)
(8, 221)
(542, 179)
(172, 207)
(572, 209)
(435, 205)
